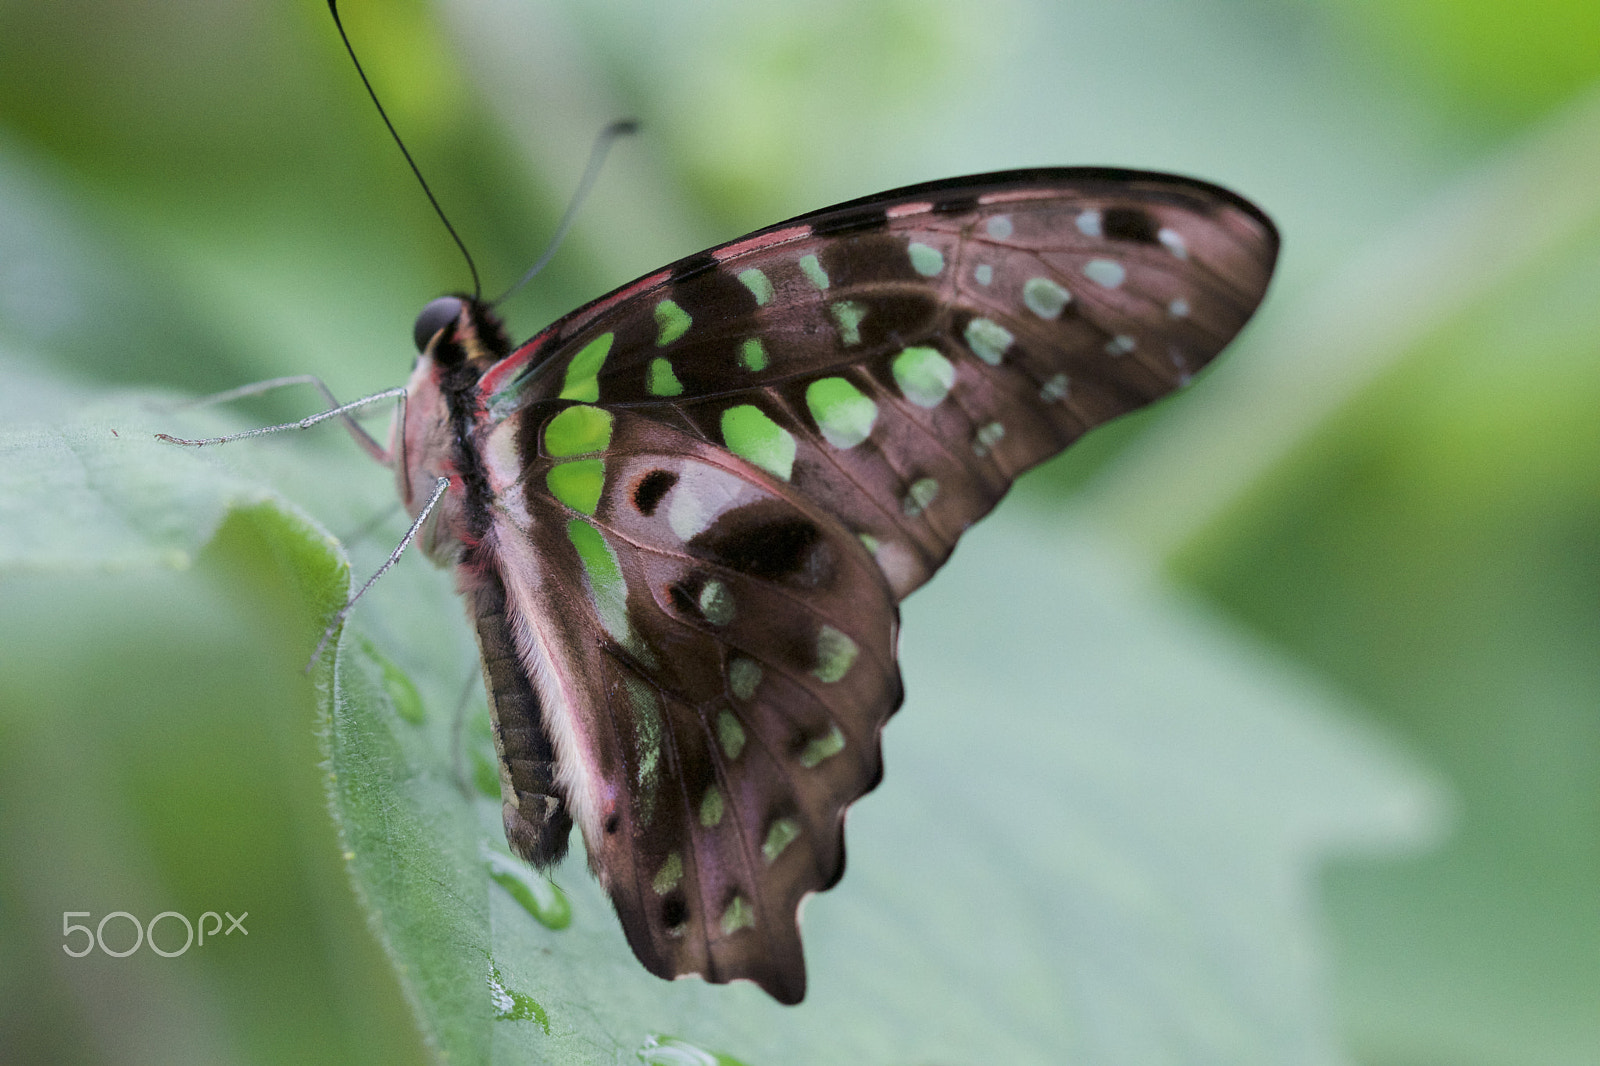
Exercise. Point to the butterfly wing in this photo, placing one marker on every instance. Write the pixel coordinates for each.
(715, 658)
(713, 486)
(902, 359)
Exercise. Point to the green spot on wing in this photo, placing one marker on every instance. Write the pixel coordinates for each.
(835, 653)
(739, 915)
(753, 354)
(921, 493)
(672, 321)
(988, 340)
(923, 375)
(582, 373)
(577, 430)
(669, 875)
(663, 382)
(823, 747)
(751, 435)
(743, 676)
(730, 734)
(842, 413)
(847, 315)
(758, 284)
(578, 483)
(607, 589)
(716, 603)
(1106, 272)
(780, 836)
(926, 259)
(813, 271)
(711, 808)
(1044, 297)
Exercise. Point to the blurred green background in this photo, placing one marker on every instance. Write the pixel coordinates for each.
(1400, 463)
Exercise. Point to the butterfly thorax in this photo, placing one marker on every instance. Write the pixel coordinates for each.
(442, 411)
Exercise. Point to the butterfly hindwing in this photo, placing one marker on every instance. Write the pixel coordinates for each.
(718, 655)
(705, 494)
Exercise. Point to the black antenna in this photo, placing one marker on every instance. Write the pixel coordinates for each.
(477, 286)
(597, 156)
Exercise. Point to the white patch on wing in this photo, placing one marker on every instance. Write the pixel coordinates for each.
(702, 494)
(504, 467)
(551, 667)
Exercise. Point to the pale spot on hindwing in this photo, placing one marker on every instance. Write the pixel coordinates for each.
(983, 273)
(1089, 224)
(1107, 273)
(824, 747)
(989, 434)
(1045, 298)
(743, 676)
(751, 435)
(843, 414)
(835, 654)
(1054, 389)
(647, 726)
(702, 494)
(711, 807)
(925, 259)
(917, 498)
(716, 603)
(669, 876)
(813, 271)
(753, 354)
(1178, 308)
(1121, 344)
(582, 372)
(923, 375)
(999, 227)
(781, 834)
(988, 340)
(847, 315)
(739, 915)
(730, 734)
(672, 321)
(663, 381)
(759, 285)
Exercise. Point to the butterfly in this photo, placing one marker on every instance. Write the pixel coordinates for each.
(683, 516)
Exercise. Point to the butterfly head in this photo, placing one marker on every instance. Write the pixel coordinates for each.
(459, 329)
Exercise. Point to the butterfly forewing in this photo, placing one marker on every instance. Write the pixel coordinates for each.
(711, 488)
(922, 349)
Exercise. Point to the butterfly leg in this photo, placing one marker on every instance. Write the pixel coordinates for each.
(338, 410)
(439, 488)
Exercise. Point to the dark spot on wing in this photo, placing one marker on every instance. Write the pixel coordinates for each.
(775, 548)
(651, 488)
(674, 910)
(1128, 224)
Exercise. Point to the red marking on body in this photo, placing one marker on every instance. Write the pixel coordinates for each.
(760, 241)
(921, 207)
(510, 366)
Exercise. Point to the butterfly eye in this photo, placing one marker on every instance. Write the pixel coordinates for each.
(438, 315)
